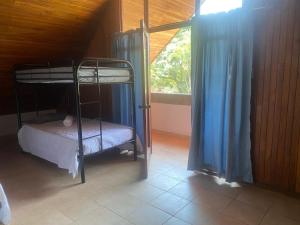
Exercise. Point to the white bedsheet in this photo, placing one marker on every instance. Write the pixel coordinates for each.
(58, 144)
(5, 212)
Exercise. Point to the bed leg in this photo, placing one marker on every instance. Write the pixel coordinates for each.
(134, 152)
(82, 172)
(82, 175)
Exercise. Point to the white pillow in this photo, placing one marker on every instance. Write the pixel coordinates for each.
(68, 121)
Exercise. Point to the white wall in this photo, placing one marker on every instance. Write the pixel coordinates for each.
(171, 118)
(8, 123)
(165, 117)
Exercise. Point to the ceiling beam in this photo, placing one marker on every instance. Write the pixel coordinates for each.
(170, 26)
(146, 13)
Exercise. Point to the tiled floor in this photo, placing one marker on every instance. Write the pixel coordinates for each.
(41, 194)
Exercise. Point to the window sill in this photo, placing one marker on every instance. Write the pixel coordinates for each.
(172, 99)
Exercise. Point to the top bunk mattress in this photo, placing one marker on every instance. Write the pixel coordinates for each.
(65, 75)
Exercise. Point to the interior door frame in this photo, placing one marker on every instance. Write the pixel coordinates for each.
(146, 31)
(146, 105)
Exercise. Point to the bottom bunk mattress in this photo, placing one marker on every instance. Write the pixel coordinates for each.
(58, 144)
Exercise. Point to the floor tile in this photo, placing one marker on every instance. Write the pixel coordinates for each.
(196, 214)
(212, 199)
(148, 215)
(74, 209)
(277, 219)
(101, 216)
(176, 221)
(122, 204)
(180, 173)
(158, 165)
(144, 191)
(222, 219)
(202, 181)
(107, 193)
(213, 183)
(287, 209)
(257, 197)
(169, 203)
(244, 212)
(163, 182)
(185, 190)
(231, 190)
(45, 217)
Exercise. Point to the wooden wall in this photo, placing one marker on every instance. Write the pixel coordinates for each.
(32, 31)
(101, 46)
(276, 95)
(110, 22)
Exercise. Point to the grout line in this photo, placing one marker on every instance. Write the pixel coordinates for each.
(115, 212)
(264, 216)
(168, 220)
(188, 202)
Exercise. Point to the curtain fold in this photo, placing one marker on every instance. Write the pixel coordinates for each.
(222, 51)
(129, 47)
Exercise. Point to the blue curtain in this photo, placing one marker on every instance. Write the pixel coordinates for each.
(222, 51)
(129, 47)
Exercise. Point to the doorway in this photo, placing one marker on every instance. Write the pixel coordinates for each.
(170, 69)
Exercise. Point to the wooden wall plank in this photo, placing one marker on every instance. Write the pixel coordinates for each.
(258, 70)
(266, 94)
(282, 150)
(289, 152)
(272, 95)
(278, 103)
(276, 128)
(101, 46)
(295, 145)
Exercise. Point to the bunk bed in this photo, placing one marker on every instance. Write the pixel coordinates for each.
(68, 146)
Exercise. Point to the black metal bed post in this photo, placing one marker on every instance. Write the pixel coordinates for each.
(37, 108)
(79, 124)
(132, 85)
(18, 105)
(132, 96)
(100, 104)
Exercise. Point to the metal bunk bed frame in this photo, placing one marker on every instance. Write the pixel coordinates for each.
(87, 63)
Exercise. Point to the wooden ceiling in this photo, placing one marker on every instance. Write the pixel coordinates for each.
(30, 28)
(38, 30)
(169, 11)
(160, 13)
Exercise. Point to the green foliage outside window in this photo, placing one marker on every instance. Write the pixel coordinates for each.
(171, 70)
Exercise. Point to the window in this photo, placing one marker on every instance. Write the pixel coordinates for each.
(215, 6)
(171, 70)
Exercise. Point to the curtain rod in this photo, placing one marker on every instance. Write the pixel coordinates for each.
(187, 23)
(262, 8)
(170, 26)
(177, 25)
(126, 32)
